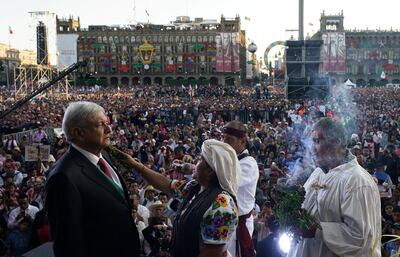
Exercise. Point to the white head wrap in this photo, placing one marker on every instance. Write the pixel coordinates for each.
(222, 158)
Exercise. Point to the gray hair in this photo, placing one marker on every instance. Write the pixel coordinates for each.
(76, 116)
(333, 131)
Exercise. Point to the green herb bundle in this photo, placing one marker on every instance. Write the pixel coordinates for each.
(288, 211)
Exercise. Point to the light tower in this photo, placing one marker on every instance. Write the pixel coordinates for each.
(43, 29)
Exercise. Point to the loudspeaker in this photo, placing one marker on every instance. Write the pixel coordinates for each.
(302, 65)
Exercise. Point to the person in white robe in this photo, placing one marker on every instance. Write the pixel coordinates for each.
(343, 198)
(235, 134)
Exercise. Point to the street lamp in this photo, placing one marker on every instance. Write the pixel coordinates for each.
(252, 48)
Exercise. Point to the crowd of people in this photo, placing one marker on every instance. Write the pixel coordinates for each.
(164, 128)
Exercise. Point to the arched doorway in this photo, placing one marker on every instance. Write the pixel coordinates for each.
(147, 81)
(125, 81)
(135, 81)
(361, 83)
(180, 81)
(114, 81)
(203, 81)
(103, 81)
(371, 82)
(214, 81)
(170, 81)
(396, 81)
(230, 81)
(158, 80)
(192, 81)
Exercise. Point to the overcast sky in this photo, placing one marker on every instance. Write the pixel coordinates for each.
(269, 20)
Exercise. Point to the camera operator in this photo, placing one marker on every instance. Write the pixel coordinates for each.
(158, 237)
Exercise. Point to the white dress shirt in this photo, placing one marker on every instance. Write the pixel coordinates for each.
(31, 211)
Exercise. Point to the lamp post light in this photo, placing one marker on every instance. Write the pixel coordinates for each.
(252, 48)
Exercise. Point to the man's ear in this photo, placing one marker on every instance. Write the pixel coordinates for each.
(77, 133)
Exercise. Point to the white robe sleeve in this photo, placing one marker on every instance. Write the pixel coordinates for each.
(353, 233)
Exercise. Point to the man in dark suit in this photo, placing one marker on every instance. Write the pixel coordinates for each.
(87, 201)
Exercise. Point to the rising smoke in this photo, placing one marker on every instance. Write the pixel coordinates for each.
(339, 105)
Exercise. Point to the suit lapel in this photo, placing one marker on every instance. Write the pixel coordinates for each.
(94, 174)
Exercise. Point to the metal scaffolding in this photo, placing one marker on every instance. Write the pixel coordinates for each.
(28, 78)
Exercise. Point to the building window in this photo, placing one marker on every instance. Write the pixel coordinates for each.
(171, 39)
(193, 39)
(205, 39)
(110, 39)
(165, 39)
(154, 39)
(104, 39)
(189, 39)
(133, 39)
(116, 39)
(199, 39)
(138, 39)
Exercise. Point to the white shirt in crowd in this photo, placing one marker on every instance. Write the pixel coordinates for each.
(144, 212)
(246, 195)
(12, 222)
(346, 203)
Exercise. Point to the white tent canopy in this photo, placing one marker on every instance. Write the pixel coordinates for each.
(349, 83)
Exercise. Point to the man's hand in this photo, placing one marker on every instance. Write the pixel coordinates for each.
(306, 233)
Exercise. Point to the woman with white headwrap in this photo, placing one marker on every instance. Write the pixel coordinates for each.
(207, 216)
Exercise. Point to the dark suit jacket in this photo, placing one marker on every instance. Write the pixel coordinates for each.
(88, 216)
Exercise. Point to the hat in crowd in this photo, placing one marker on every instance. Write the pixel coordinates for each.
(16, 148)
(222, 158)
(357, 147)
(156, 204)
(149, 188)
(51, 158)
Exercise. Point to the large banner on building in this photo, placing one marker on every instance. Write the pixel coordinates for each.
(220, 54)
(227, 57)
(333, 53)
(227, 47)
(235, 52)
(66, 50)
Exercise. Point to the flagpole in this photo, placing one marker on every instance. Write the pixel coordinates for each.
(9, 37)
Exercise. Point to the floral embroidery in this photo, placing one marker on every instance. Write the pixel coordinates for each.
(220, 220)
(182, 187)
(222, 200)
(223, 232)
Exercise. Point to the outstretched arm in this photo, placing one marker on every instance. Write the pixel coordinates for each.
(153, 178)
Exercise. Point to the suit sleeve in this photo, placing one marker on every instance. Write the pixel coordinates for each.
(64, 205)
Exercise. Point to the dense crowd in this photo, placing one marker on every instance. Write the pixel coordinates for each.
(164, 127)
